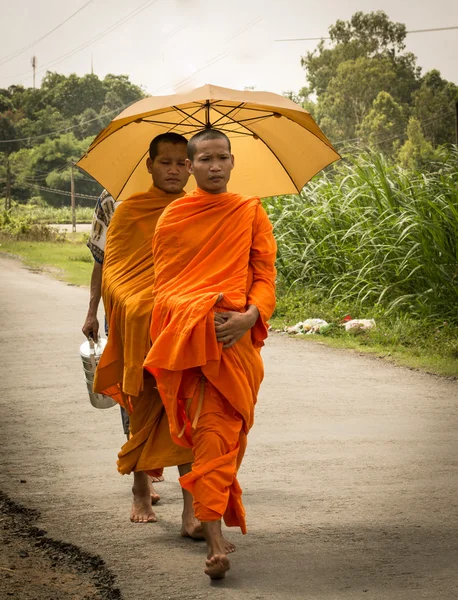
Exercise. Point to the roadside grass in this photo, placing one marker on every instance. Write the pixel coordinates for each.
(428, 346)
(68, 261)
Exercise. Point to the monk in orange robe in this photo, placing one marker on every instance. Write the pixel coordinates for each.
(128, 277)
(214, 256)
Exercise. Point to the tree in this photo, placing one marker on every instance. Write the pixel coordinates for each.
(8, 131)
(48, 165)
(417, 152)
(45, 120)
(367, 56)
(72, 95)
(90, 123)
(302, 99)
(435, 107)
(56, 123)
(126, 91)
(384, 124)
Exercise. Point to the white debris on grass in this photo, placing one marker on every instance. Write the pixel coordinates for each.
(308, 326)
(356, 325)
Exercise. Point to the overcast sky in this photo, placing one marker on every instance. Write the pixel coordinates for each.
(175, 45)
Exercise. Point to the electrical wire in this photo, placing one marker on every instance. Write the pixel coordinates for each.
(317, 39)
(96, 38)
(6, 59)
(65, 129)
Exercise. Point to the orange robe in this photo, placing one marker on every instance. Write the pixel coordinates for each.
(206, 245)
(128, 278)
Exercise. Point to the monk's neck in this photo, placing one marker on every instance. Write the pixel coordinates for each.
(163, 194)
(212, 193)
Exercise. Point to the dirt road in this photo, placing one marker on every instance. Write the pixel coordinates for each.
(350, 479)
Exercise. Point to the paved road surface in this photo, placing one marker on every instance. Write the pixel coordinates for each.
(80, 227)
(350, 480)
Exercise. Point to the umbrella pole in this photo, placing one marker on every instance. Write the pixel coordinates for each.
(208, 125)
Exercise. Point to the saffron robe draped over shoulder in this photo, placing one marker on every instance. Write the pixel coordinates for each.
(127, 283)
(212, 253)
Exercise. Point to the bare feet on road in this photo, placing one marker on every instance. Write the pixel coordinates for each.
(217, 566)
(217, 563)
(228, 546)
(142, 500)
(157, 479)
(191, 526)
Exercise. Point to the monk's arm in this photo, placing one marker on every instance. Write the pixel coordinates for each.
(262, 262)
(91, 324)
(232, 326)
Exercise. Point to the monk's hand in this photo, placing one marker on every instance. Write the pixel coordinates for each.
(231, 326)
(91, 326)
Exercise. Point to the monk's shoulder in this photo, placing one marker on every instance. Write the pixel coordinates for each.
(121, 209)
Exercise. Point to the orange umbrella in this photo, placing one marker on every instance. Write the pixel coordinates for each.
(277, 145)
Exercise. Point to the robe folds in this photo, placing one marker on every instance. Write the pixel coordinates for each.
(212, 253)
(127, 283)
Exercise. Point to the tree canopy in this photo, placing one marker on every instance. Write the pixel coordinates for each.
(52, 126)
(364, 86)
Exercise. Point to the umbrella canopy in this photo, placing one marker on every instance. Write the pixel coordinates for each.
(277, 145)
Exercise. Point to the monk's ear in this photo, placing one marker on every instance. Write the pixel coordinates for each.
(149, 165)
(232, 160)
(188, 165)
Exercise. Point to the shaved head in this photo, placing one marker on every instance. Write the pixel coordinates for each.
(206, 134)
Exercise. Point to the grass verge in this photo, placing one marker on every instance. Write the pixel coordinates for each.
(68, 261)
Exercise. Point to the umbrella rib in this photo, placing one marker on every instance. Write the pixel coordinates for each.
(131, 173)
(275, 154)
(188, 116)
(229, 113)
(250, 108)
(329, 145)
(181, 124)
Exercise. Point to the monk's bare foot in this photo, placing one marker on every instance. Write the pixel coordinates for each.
(228, 546)
(141, 503)
(154, 495)
(191, 527)
(217, 566)
(217, 563)
(157, 479)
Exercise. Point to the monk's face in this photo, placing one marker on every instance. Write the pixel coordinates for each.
(168, 168)
(212, 165)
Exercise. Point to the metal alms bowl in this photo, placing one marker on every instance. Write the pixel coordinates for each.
(90, 353)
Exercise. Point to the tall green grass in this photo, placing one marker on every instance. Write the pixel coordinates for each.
(368, 234)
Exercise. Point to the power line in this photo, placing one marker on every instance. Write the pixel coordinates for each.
(213, 60)
(65, 129)
(317, 39)
(99, 36)
(6, 59)
(181, 83)
(61, 192)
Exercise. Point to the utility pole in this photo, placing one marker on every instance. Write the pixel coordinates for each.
(8, 185)
(72, 190)
(34, 67)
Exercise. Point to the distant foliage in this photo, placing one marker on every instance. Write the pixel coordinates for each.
(370, 233)
(55, 124)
